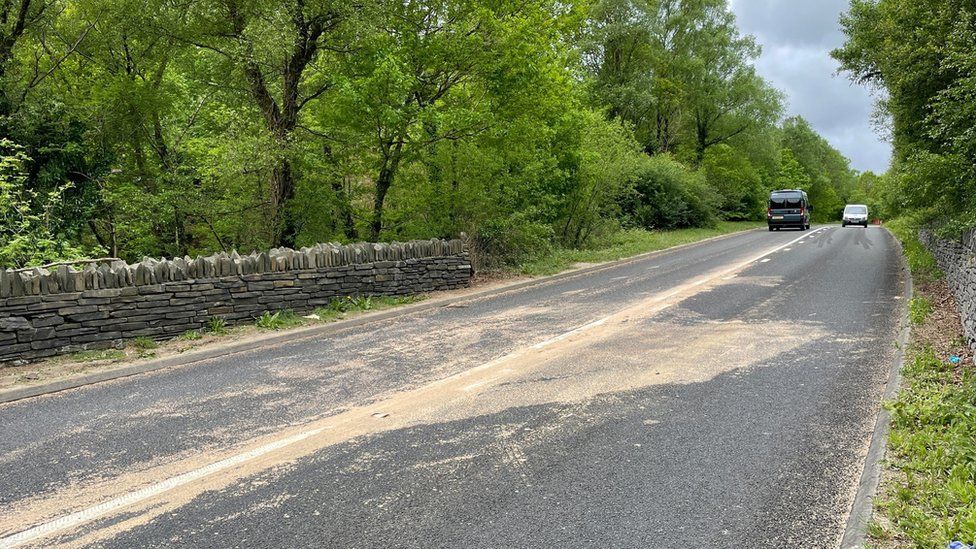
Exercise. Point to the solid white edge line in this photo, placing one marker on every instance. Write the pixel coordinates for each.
(91, 513)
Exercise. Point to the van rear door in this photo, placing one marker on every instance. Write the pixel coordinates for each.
(788, 203)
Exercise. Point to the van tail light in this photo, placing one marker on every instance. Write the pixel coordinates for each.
(801, 211)
(769, 212)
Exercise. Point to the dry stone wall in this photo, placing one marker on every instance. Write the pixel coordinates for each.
(957, 259)
(48, 312)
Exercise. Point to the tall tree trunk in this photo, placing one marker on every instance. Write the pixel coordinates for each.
(282, 193)
(281, 119)
(701, 138)
(391, 161)
(345, 211)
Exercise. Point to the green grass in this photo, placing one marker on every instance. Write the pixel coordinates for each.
(100, 354)
(919, 308)
(930, 499)
(921, 262)
(933, 448)
(627, 244)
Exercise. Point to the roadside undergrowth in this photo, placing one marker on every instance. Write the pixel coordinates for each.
(927, 497)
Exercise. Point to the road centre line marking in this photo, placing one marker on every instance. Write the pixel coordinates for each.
(91, 513)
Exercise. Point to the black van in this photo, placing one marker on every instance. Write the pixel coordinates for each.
(788, 208)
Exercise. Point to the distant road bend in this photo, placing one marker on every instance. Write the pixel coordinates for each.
(719, 395)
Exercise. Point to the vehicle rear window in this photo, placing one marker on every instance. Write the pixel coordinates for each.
(785, 200)
(858, 210)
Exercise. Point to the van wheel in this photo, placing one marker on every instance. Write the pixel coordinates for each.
(770, 229)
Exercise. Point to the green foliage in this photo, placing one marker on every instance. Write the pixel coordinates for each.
(920, 260)
(279, 320)
(669, 195)
(791, 174)
(813, 165)
(190, 335)
(28, 221)
(508, 242)
(921, 53)
(919, 308)
(144, 344)
(216, 325)
(933, 444)
(738, 183)
(154, 128)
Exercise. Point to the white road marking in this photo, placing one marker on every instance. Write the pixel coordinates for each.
(92, 513)
(87, 515)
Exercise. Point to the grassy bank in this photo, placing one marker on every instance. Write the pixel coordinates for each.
(627, 244)
(928, 493)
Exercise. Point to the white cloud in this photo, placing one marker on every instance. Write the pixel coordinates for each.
(797, 37)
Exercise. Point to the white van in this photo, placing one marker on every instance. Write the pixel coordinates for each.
(855, 214)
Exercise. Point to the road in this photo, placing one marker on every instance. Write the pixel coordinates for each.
(719, 395)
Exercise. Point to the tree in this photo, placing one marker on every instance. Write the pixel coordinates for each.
(791, 174)
(278, 50)
(734, 178)
(921, 55)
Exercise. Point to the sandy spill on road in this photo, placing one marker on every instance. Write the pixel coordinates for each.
(656, 353)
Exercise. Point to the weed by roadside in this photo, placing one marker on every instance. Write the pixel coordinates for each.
(216, 325)
(279, 320)
(928, 493)
(924, 268)
(919, 308)
(144, 344)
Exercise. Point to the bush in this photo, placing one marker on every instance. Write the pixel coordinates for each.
(739, 186)
(512, 241)
(669, 195)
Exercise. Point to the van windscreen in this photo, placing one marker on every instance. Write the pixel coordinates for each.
(782, 201)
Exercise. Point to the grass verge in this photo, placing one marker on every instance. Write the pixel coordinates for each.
(628, 243)
(927, 496)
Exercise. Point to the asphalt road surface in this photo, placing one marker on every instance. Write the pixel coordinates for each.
(718, 395)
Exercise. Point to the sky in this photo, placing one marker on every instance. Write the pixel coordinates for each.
(797, 36)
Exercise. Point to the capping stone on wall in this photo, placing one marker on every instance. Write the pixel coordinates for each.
(49, 312)
(957, 259)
